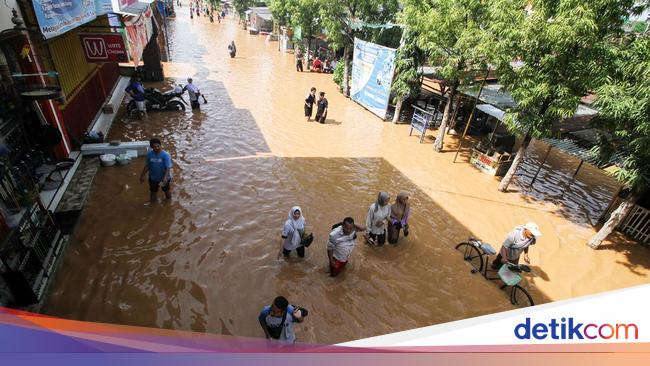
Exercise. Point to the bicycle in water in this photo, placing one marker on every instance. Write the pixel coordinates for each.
(477, 254)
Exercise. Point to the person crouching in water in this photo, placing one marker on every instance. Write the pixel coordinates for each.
(399, 215)
(194, 93)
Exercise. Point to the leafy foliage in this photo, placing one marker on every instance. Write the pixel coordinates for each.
(624, 111)
(409, 58)
(450, 32)
(298, 13)
(338, 75)
(242, 5)
(339, 15)
(561, 48)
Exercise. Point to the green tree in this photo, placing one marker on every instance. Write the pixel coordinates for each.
(242, 5)
(450, 33)
(407, 80)
(343, 21)
(623, 101)
(281, 10)
(306, 15)
(561, 49)
(303, 14)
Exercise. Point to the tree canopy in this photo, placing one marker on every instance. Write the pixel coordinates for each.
(623, 101)
(451, 34)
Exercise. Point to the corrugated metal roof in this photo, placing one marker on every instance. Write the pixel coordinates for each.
(491, 110)
(573, 147)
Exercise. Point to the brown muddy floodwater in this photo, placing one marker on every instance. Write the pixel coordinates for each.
(206, 261)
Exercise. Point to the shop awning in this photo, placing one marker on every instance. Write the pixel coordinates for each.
(131, 7)
(492, 94)
(491, 110)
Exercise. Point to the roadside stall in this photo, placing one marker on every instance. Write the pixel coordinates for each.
(493, 153)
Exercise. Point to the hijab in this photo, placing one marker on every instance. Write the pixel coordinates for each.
(297, 225)
(382, 197)
(399, 209)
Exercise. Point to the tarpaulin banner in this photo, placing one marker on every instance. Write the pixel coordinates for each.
(103, 7)
(372, 74)
(56, 17)
(139, 31)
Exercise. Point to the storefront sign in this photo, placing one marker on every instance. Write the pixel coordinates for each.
(483, 162)
(372, 74)
(56, 17)
(104, 47)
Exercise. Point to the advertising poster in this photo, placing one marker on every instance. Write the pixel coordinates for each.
(138, 31)
(372, 74)
(103, 7)
(56, 17)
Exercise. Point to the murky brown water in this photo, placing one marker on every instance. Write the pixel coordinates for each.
(206, 261)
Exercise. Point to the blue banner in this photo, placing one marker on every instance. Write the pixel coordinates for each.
(56, 17)
(103, 7)
(372, 74)
(162, 8)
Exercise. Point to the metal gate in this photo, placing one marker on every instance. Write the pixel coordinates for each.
(637, 224)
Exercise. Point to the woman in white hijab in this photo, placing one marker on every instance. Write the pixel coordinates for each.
(378, 214)
(292, 233)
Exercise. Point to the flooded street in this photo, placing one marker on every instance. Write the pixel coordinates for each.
(206, 261)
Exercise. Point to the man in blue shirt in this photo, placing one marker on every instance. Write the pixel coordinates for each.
(136, 91)
(159, 166)
(277, 320)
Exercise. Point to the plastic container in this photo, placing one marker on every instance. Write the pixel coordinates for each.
(123, 159)
(508, 276)
(107, 159)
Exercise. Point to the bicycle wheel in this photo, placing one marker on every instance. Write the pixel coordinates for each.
(471, 254)
(520, 297)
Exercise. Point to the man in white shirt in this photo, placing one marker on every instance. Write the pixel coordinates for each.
(194, 93)
(517, 242)
(342, 241)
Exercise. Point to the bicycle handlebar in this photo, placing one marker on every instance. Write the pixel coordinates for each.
(518, 267)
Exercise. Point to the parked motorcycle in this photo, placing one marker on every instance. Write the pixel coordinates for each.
(155, 100)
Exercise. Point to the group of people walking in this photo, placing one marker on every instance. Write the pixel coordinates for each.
(382, 219)
(200, 6)
(322, 104)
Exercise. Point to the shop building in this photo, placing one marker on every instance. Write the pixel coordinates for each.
(56, 76)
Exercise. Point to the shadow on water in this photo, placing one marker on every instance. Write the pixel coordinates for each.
(208, 258)
(206, 261)
(638, 256)
(581, 199)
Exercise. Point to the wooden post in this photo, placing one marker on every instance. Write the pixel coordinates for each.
(471, 115)
(541, 165)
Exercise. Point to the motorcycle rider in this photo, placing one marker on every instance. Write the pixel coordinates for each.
(136, 91)
(194, 93)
